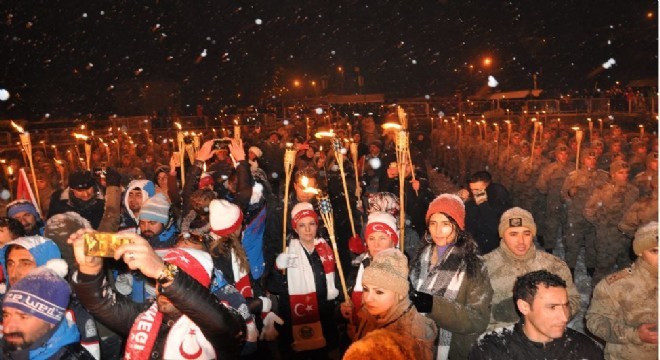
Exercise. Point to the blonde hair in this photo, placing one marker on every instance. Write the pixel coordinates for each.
(222, 245)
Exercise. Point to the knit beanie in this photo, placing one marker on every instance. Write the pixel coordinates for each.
(40, 248)
(302, 210)
(157, 208)
(42, 293)
(516, 217)
(388, 270)
(450, 205)
(256, 151)
(224, 217)
(59, 227)
(196, 263)
(646, 237)
(18, 206)
(382, 222)
(618, 165)
(81, 180)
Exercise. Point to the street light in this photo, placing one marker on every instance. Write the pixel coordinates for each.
(487, 61)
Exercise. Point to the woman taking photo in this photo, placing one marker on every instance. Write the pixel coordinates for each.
(450, 281)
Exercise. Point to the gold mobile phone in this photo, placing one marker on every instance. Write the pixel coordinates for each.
(103, 244)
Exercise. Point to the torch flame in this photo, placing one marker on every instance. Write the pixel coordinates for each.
(17, 127)
(80, 136)
(178, 125)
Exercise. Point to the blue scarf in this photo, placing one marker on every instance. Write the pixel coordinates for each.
(64, 334)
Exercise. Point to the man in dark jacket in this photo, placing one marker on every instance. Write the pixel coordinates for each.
(542, 299)
(82, 196)
(484, 205)
(185, 321)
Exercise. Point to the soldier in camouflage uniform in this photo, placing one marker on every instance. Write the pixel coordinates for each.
(506, 158)
(644, 180)
(644, 210)
(526, 195)
(638, 158)
(624, 307)
(575, 192)
(605, 160)
(605, 209)
(549, 184)
(515, 256)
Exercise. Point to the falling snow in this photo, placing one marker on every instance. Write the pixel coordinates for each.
(60, 58)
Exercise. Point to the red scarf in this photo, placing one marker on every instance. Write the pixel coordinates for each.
(185, 340)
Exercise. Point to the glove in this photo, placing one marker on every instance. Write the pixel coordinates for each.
(356, 245)
(252, 332)
(285, 261)
(266, 304)
(505, 311)
(423, 302)
(112, 177)
(268, 332)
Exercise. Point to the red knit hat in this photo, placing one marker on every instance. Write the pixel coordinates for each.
(224, 217)
(196, 263)
(450, 205)
(302, 210)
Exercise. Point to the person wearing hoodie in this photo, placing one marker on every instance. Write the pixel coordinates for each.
(137, 193)
(25, 254)
(155, 223)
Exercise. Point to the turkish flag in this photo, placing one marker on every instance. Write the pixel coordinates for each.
(24, 190)
(304, 308)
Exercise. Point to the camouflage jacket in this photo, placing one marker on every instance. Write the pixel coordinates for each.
(620, 303)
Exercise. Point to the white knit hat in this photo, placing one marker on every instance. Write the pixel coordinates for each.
(224, 217)
(256, 151)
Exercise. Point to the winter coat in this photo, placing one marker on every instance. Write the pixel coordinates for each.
(504, 267)
(607, 204)
(620, 303)
(92, 210)
(483, 220)
(403, 319)
(639, 213)
(466, 317)
(511, 343)
(221, 326)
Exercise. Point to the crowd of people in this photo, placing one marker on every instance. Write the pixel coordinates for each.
(138, 260)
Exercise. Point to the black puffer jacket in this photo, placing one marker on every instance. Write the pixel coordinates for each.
(511, 343)
(222, 326)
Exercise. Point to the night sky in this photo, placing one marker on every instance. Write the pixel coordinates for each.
(70, 58)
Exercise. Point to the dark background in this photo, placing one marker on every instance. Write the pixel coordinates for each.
(70, 58)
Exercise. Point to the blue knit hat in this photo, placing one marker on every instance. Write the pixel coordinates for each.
(42, 293)
(40, 248)
(19, 206)
(157, 208)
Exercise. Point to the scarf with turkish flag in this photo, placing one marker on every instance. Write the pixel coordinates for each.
(305, 319)
(185, 339)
